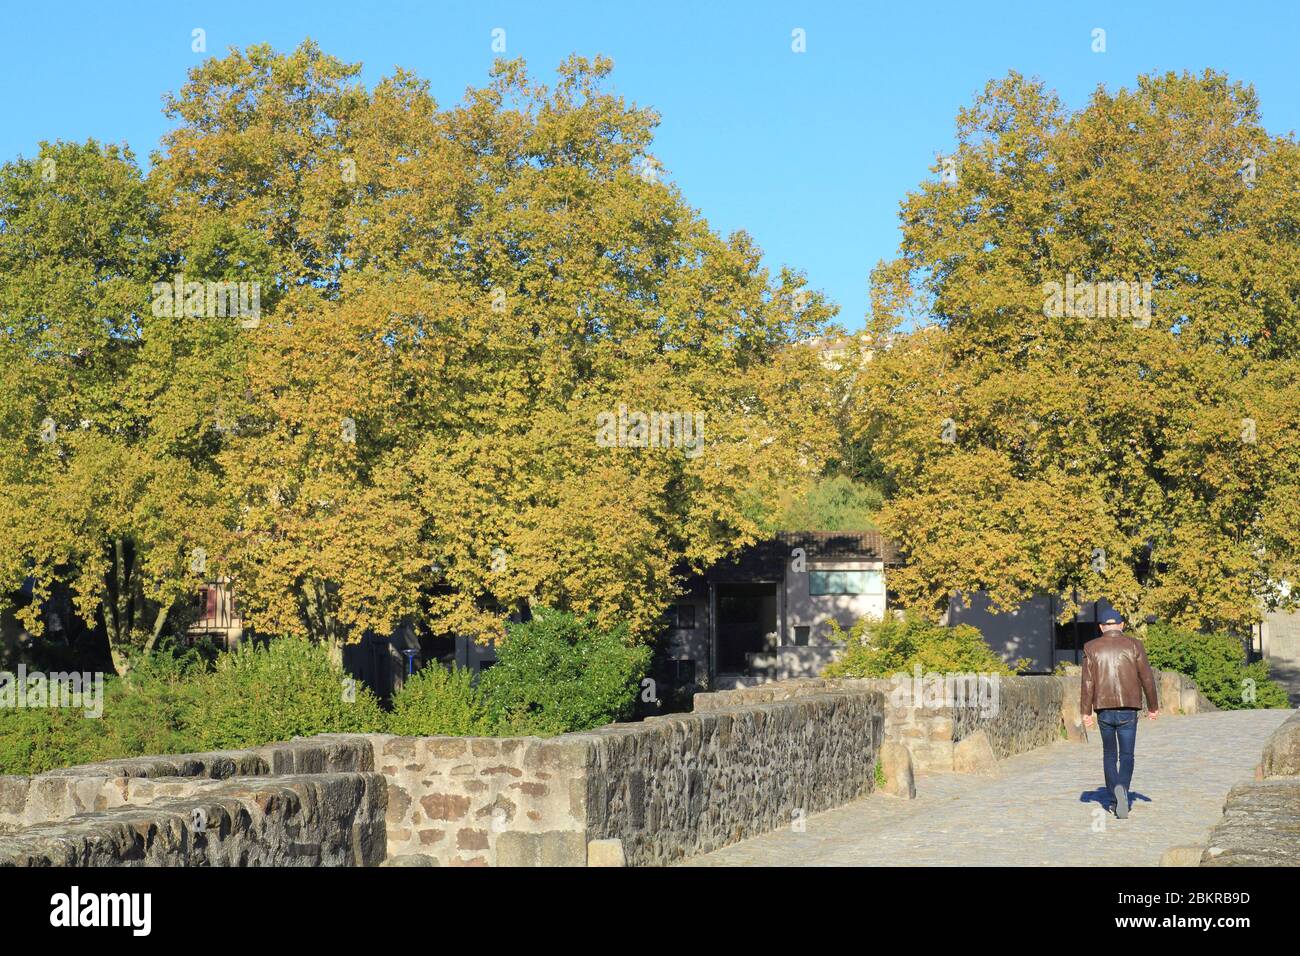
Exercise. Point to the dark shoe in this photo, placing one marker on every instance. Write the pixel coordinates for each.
(1121, 801)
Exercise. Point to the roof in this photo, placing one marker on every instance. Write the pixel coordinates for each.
(857, 545)
(766, 560)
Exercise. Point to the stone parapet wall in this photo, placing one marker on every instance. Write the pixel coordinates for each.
(667, 787)
(1260, 825)
(59, 794)
(1027, 714)
(1281, 756)
(480, 801)
(684, 784)
(1030, 712)
(658, 790)
(323, 819)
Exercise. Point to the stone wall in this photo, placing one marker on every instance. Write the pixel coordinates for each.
(324, 819)
(1261, 820)
(1030, 712)
(474, 801)
(684, 784)
(1027, 715)
(139, 781)
(666, 788)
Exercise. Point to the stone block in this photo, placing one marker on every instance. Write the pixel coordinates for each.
(1282, 750)
(896, 763)
(974, 754)
(1071, 718)
(13, 797)
(549, 848)
(411, 859)
(606, 853)
(445, 806)
(1182, 856)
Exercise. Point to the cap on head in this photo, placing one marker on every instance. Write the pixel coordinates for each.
(1112, 622)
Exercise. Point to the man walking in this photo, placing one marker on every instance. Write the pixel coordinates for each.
(1116, 674)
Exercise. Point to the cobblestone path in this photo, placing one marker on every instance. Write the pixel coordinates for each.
(1042, 809)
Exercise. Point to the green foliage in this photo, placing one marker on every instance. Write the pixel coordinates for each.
(880, 775)
(1217, 662)
(876, 648)
(142, 714)
(106, 479)
(559, 673)
(339, 202)
(277, 691)
(39, 739)
(556, 674)
(438, 702)
(835, 503)
(1027, 436)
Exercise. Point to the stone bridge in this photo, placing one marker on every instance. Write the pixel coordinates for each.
(991, 771)
(1040, 808)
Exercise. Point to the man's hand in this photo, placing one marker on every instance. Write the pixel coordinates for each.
(1087, 720)
(1152, 714)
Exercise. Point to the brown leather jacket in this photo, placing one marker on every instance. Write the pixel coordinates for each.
(1116, 673)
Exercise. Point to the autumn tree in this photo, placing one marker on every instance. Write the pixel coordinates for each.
(105, 473)
(1098, 391)
(455, 300)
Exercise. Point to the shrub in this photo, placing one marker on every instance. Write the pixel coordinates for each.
(439, 702)
(142, 714)
(882, 648)
(1217, 662)
(287, 688)
(42, 738)
(559, 673)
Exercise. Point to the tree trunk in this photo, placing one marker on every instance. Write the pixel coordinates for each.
(161, 619)
(321, 622)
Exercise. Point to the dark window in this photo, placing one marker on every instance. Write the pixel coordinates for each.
(801, 633)
(207, 605)
(680, 616)
(1068, 635)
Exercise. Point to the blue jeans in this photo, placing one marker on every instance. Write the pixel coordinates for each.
(1118, 727)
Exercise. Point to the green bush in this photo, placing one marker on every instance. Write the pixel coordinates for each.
(438, 702)
(559, 673)
(882, 648)
(142, 714)
(286, 688)
(43, 738)
(1217, 662)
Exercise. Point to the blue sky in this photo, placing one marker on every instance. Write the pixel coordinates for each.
(810, 152)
